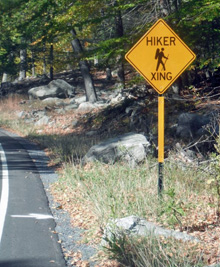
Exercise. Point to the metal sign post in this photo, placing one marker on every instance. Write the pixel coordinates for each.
(160, 142)
(160, 56)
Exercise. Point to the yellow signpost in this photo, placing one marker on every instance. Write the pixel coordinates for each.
(160, 56)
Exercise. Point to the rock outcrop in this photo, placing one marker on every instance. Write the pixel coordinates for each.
(57, 88)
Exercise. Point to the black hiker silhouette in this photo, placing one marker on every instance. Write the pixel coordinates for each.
(159, 56)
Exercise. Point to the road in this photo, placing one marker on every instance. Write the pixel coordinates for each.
(27, 227)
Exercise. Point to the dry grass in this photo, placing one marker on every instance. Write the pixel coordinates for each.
(115, 191)
(95, 193)
(10, 106)
(154, 251)
(10, 103)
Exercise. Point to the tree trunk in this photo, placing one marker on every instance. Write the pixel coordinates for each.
(51, 62)
(22, 74)
(44, 59)
(4, 77)
(119, 32)
(177, 4)
(96, 62)
(33, 64)
(84, 67)
(108, 74)
(68, 66)
(164, 8)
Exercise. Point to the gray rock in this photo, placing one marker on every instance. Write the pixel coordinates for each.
(129, 110)
(71, 107)
(86, 107)
(44, 78)
(100, 104)
(213, 265)
(74, 123)
(134, 225)
(57, 88)
(176, 88)
(117, 99)
(80, 99)
(21, 114)
(60, 111)
(38, 113)
(130, 147)
(114, 73)
(92, 133)
(43, 121)
(40, 92)
(192, 125)
(29, 120)
(68, 89)
(53, 101)
(72, 101)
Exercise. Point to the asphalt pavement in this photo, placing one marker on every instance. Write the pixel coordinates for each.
(27, 227)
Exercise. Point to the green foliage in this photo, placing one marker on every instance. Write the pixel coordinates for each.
(34, 23)
(172, 207)
(138, 79)
(197, 22)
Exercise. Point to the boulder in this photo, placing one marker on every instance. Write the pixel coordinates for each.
(57, 88)
(80, 99)
(75, 123)
(70, 107)
(43, 121)
(130, 147)
(68, 89)
(92, 133)
(117, 99)
(192, 125)
(134, 225)
(21, 114)
(53, 101)
(86, 107)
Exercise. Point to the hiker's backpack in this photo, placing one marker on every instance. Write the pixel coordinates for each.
(157, 53)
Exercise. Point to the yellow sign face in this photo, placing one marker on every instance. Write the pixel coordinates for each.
(160, 56)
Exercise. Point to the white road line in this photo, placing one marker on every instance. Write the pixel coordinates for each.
(34, 216)
(5, 190)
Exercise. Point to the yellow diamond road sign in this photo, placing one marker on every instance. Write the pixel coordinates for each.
(160, 56)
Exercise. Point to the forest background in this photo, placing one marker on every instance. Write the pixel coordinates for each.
(43, 36)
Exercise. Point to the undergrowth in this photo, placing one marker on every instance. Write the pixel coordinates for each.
(154, 252)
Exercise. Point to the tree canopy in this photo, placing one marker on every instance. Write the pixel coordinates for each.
(106, 29)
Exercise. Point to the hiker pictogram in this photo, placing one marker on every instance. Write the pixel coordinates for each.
(160, 56)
